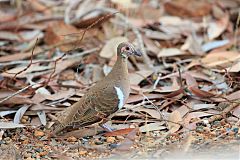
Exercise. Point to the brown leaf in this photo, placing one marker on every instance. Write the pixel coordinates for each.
(18, 99)
(137, 98)
(152, 112)
(190, 80)
(175, 93)
(20, 56)
(187, 8)
(176, 117)
(137, 77)
(84, 23)
(119, 132)
(200, 93)
(59, 32)
(83, 132)
(128, 141)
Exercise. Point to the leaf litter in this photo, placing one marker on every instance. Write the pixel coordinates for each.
(184, 91)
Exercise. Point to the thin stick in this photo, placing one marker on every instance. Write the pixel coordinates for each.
(18, 92)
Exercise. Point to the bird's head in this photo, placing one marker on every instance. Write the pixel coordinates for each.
(126, 49)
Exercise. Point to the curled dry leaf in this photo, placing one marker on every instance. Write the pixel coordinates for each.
(200, 93)
(215, 29)
(20, 113)
(174, 118)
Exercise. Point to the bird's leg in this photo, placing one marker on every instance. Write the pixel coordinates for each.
(106, 127)
(102, 123)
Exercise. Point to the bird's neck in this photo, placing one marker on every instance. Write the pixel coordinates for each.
(120, 68)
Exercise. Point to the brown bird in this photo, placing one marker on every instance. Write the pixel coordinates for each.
(104, 98)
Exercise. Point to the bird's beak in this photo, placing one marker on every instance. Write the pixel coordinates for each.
(138, 53)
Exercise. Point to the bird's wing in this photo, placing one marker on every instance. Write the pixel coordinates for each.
(96, 106)
(92, 107)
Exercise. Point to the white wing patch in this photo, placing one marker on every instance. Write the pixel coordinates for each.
(120, 97)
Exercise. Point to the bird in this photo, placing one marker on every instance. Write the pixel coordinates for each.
(104, 98)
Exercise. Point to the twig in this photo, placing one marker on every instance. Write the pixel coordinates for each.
(54, 69)
(18, 92)
(224, 112)
(146, 59)
(50, 60)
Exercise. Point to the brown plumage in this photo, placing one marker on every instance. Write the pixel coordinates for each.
(104, 98)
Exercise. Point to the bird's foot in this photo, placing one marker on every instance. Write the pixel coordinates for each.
(106, 127)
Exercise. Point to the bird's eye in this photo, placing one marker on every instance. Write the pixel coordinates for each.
(127, 48)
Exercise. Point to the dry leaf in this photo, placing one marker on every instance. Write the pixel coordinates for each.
(193, 45)
(214, 44)
(8, 125)
(127, 4)
(137, 77)
(168, 52)
(59, 32)
(20, 113)
(200, 93)
(222, 59)
(188, 8)
(119, 132)
(152, 127)
(174, 118)
(152, 112)
(215, 29)
(234, 68)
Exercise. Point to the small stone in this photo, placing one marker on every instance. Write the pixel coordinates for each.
(72, 139)
(29, 158)
(25, 117)
(213, 133)
(206, 129)
(199, 129)
(222, 130)
(120, 138)
(113, 145)
(228, 125)
(44, 153)
(26, 154)
(236, 130)
(24, 121)
(231, 133)
(111, 139)
(7, 140)
(223, 122)
(81, 153)
(98, 142)
(38, 133)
